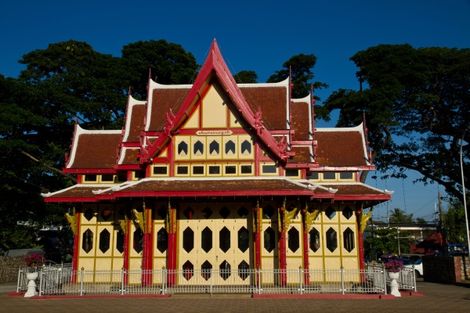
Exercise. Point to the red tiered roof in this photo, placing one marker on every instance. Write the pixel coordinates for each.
(263, 109)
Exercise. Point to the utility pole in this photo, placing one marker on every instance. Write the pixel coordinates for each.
(440, 229)
(464, 194)
(398, 239)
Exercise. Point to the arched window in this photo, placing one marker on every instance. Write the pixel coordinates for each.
(214, 148)
(246, 147)
(198, 148)
(230, 147)
(183, 148)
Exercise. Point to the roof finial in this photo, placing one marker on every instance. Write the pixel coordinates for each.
(150, 72)
(291, 85)
(364, 120)
(129, 90)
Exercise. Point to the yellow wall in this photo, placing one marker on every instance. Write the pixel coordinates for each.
(96, 259)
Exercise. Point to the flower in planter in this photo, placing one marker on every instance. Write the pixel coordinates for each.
(34, 260)
(393, 265)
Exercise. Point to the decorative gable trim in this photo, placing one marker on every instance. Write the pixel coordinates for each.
(150, 87)
(131, 103)
(214, 66)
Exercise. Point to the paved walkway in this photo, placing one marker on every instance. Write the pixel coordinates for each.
(437, 298)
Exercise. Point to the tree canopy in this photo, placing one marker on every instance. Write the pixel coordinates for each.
(246, 77)
(168, 62)
(453, 222)
(399, 216)
(300, 68)
(65, 83)
(417, 107)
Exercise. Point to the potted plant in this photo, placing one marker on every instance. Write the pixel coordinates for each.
(393, 266)
(33, 261)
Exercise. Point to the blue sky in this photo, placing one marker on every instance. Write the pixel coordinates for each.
(254, 35)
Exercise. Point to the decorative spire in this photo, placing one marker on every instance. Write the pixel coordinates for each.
(366, 135)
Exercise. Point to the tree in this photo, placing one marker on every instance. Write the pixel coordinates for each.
(417, 105)
(64, 83)
(379, 242)
(70, 82)
(421, 221)
(20, 177)
(246, 77)
(454, 222)
(399, 216)
(168, 62)
(300, 68)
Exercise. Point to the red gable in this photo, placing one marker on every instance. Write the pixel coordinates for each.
(215, 67)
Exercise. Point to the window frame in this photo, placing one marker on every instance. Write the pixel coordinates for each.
(160, 166)
(276, 173)
(198, 165)
(329, 179)
(246, 174)
(231, 174)
(182, 166)
(214, 165)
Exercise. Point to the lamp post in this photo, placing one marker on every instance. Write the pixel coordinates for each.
(464, 195)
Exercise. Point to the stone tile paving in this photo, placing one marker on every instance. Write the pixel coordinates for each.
(437, 298)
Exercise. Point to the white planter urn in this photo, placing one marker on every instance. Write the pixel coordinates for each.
(394, 284)
(31, 292)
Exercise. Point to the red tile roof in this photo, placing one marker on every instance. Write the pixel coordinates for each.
(95, 151)
(340, 148)
(302, 155)
(271, 101)
(130, 157)
(76, 193)
(300, 120)
(136, 121)
(217, 187)
(162, 100)
(358, 191)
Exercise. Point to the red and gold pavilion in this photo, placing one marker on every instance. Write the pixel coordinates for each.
(219, 175)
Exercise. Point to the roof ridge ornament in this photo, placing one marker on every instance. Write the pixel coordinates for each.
(259, 126)
(170, 122)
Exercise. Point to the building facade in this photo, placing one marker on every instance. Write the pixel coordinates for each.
(218, 176)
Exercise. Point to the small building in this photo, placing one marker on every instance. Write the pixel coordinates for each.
(219, 176)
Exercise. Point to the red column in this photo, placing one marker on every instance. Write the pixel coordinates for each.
(125, 253)
(171, 251)
(360, 241)
(282, 247)
(305, 247)
(257, 238)
(76, 246)
(147, 254)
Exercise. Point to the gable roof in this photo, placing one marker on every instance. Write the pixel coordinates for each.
(94, 150)
(215, 67)
(341, 147)
(133, 120)
(301, 118)
(161, 98)
(271, 99)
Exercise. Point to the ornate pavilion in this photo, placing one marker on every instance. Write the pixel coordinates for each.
(219, 175)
